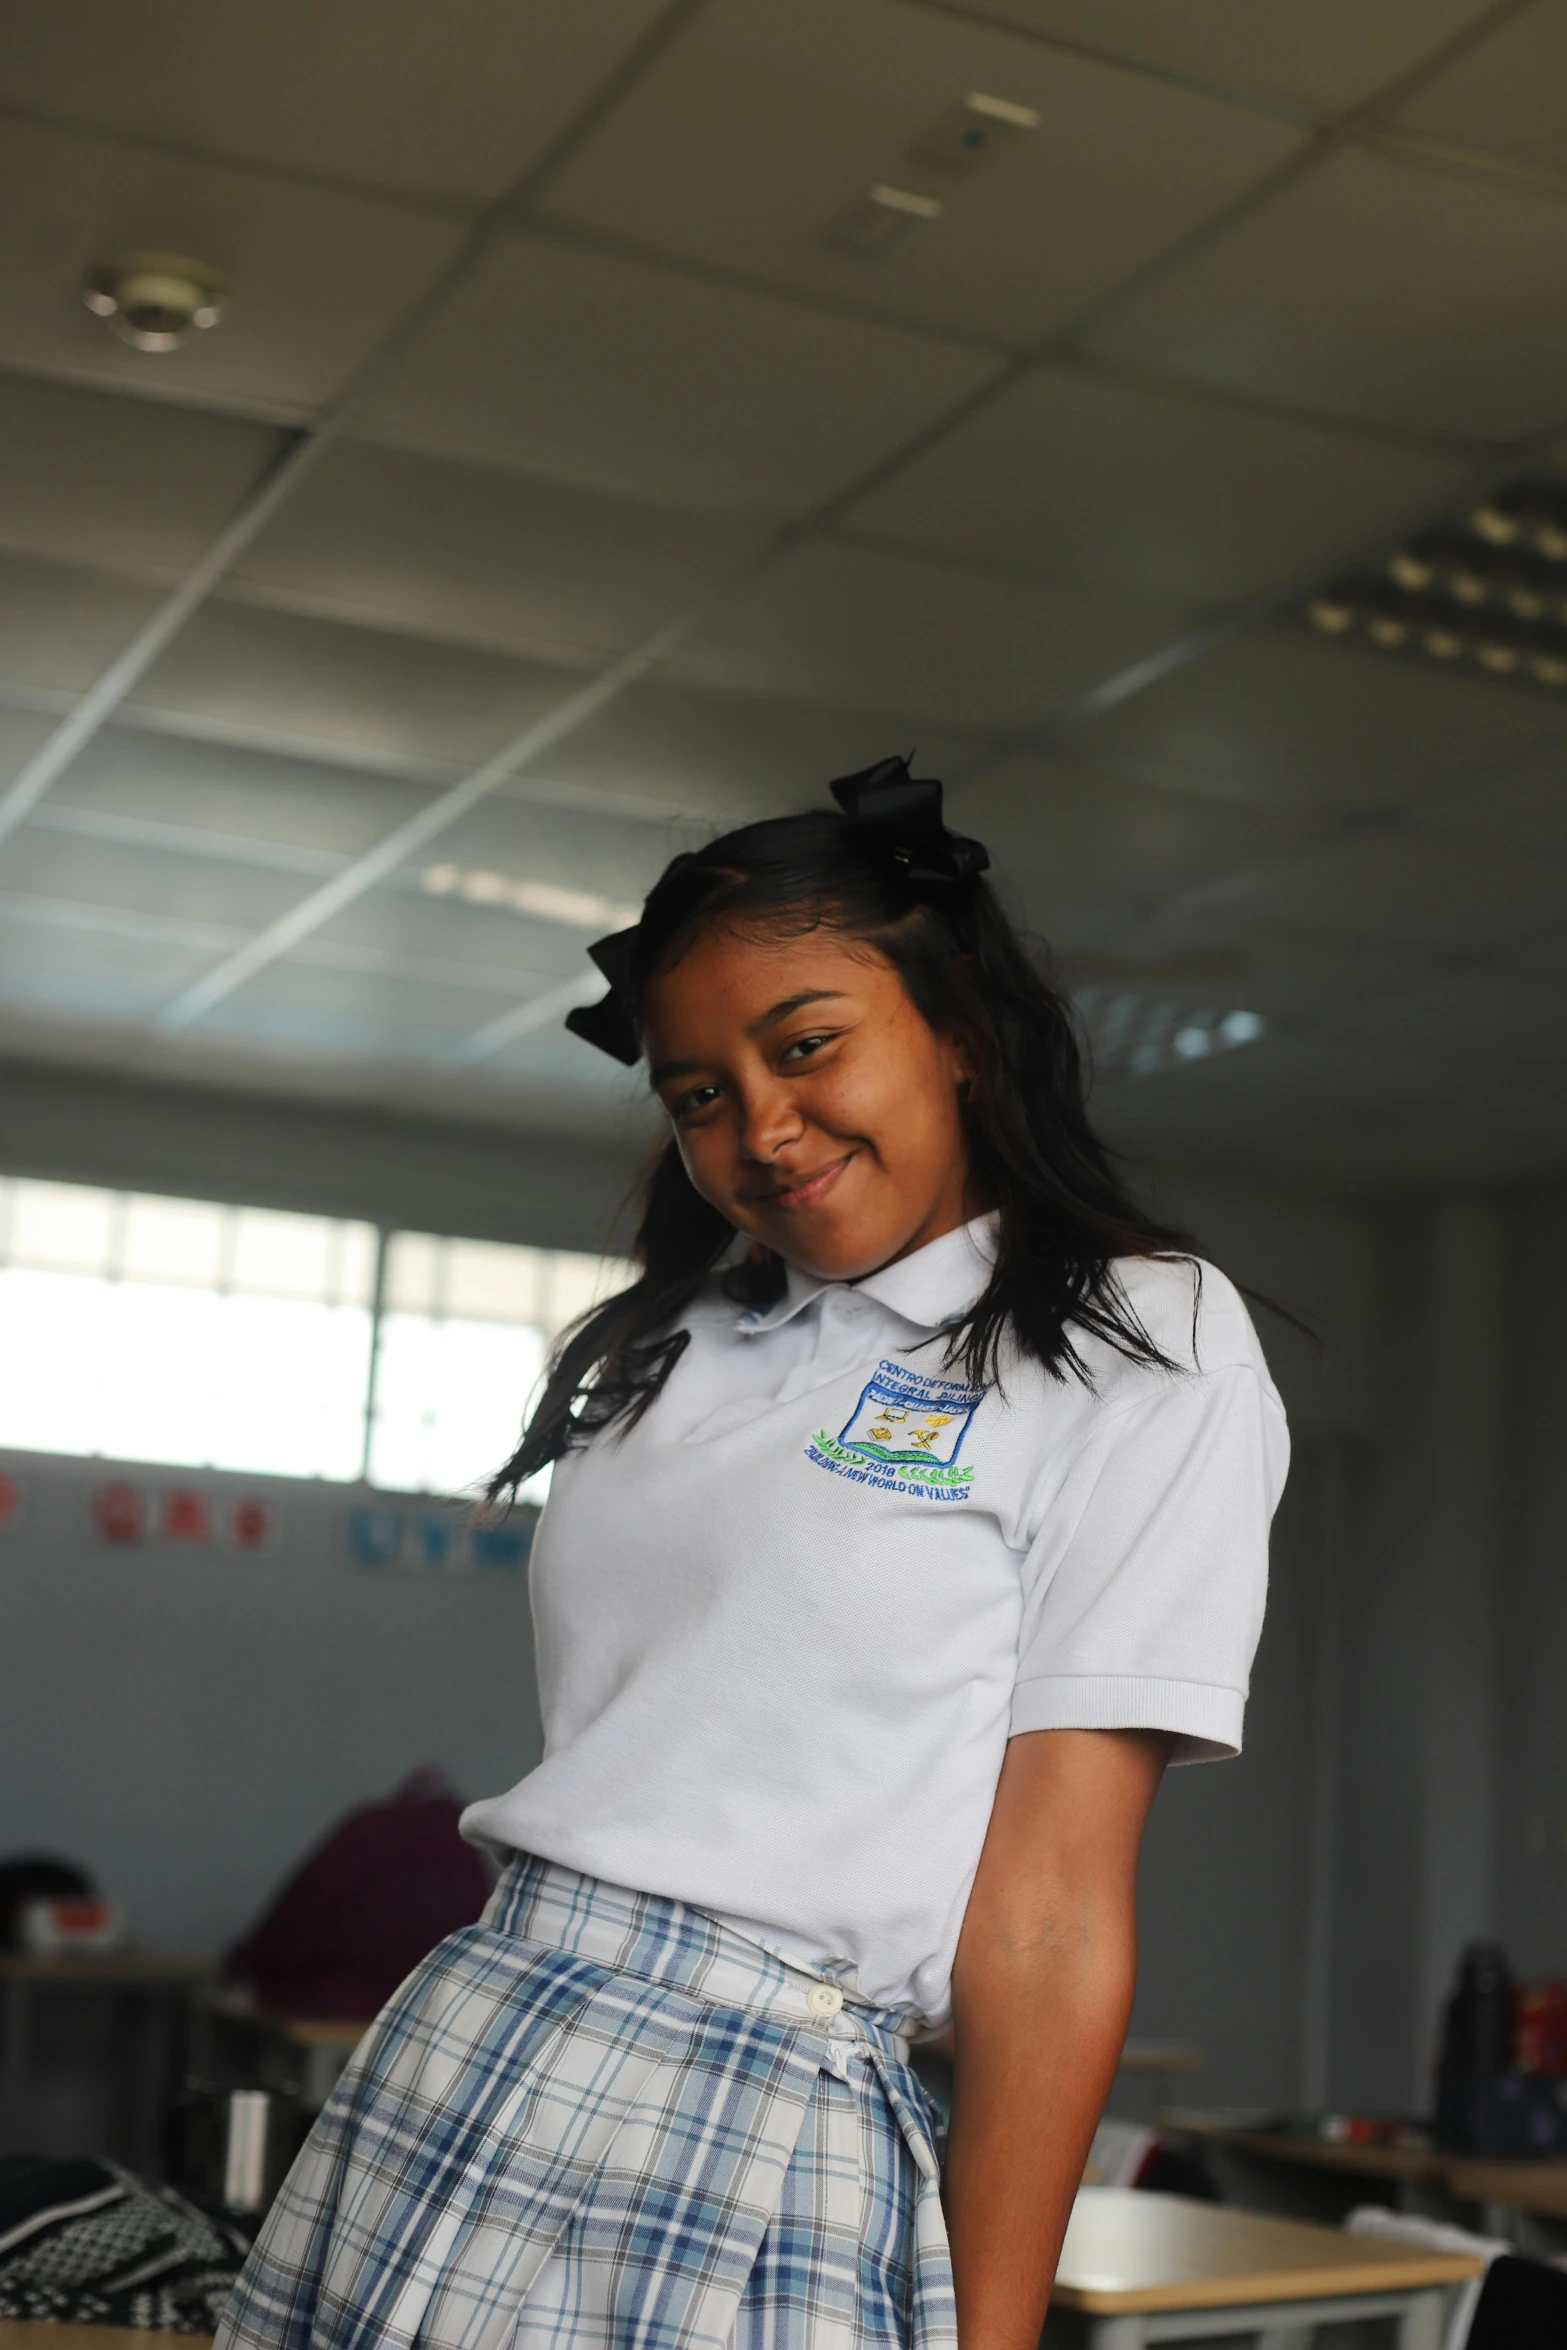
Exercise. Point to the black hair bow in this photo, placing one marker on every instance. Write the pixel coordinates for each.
(886, 805)
(609, 1023)
(902, 813)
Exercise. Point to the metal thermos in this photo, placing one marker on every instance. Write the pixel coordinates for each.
(231, 2147)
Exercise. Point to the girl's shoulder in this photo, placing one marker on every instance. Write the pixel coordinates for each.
(1193, 1313)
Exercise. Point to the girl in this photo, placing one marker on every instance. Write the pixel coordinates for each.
(882, 1574)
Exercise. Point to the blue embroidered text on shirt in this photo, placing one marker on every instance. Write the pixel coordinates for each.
(904, 1435)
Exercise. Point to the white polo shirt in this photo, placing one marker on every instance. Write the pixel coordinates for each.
(786, 1625)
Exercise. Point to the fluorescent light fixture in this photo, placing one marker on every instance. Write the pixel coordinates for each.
(905, 200)
(1017, 118)
(544, 901)
(1483, 592)
(1139, 1036)
(882, 219)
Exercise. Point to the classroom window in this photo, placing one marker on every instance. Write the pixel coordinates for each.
(466, 1327)
(137, 1327)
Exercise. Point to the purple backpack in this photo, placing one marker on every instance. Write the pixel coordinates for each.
(361, 1910)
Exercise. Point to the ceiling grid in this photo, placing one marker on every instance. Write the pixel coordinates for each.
(724, 575)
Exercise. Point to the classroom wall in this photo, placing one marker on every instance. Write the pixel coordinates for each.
(186, 1719)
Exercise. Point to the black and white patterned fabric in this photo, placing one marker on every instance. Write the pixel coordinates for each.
(88, 2243)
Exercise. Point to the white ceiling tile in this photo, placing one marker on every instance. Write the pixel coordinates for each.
(930, 641)
(728, 759)
(460, 97)
(1375, 289)
(420, 936)
(1068, 827)
(470, 555)
(54, 973)
(635, 378)
(1506, 94)
(298, 1008)
(1277, 715)
(563, 847)
(319, 275)
(244, 795)
(1487, 1022)
(1074, 923)
(145, 881)
(1407, 888)
(118, 483)
(59, 626)
(1519, 805)
(1327, 52)
(21, 733)
(373, 692)
(1160, 491)
(1199, 950)
(1119, 167)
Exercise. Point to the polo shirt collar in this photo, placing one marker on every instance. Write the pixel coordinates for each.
(934, 1286)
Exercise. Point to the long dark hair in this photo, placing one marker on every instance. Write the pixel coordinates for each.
(1065, 1213)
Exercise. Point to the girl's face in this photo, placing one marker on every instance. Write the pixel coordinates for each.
(813, 1104)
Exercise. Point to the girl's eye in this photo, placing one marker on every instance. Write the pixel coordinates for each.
(697, 1099)
(798, 1047)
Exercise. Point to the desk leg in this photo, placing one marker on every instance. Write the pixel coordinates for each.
(1117, 2333)
(1423, 2321)
(16, 2021)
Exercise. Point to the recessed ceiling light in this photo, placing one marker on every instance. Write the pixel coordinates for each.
(1409, 570)
(1386, 630)
(479, 885)
(1330, 617)
(156, 301)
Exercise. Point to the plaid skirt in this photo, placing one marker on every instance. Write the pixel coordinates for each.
(600, 2118)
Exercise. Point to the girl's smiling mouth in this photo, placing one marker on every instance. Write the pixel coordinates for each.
(805, 1191)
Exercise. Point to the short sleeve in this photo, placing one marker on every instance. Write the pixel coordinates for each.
(1145, 1585)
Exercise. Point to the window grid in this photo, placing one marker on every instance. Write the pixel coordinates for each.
(202, 1334)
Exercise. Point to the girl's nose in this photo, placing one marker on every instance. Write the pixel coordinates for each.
(770, 1119)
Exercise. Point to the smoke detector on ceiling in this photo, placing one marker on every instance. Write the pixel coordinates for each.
(156, 301)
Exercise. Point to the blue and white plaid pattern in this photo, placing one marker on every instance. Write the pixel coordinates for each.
(599, 2118)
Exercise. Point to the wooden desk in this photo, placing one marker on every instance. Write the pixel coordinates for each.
(1537, 2187)
(1511, 2186)
(1138, 2269)
(1367, 2162)
(305, 2052)
(26, 2333)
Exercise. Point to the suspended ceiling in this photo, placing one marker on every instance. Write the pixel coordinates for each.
(556, 492)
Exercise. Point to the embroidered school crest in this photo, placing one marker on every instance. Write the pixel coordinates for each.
(904, 1435)
(900, 1420)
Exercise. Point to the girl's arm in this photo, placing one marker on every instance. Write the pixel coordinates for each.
(1042, 1990)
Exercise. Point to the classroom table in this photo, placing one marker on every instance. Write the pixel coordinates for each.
(29, 2333)
(1398, 2172)
(152, 1989)
(1138, 2269)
